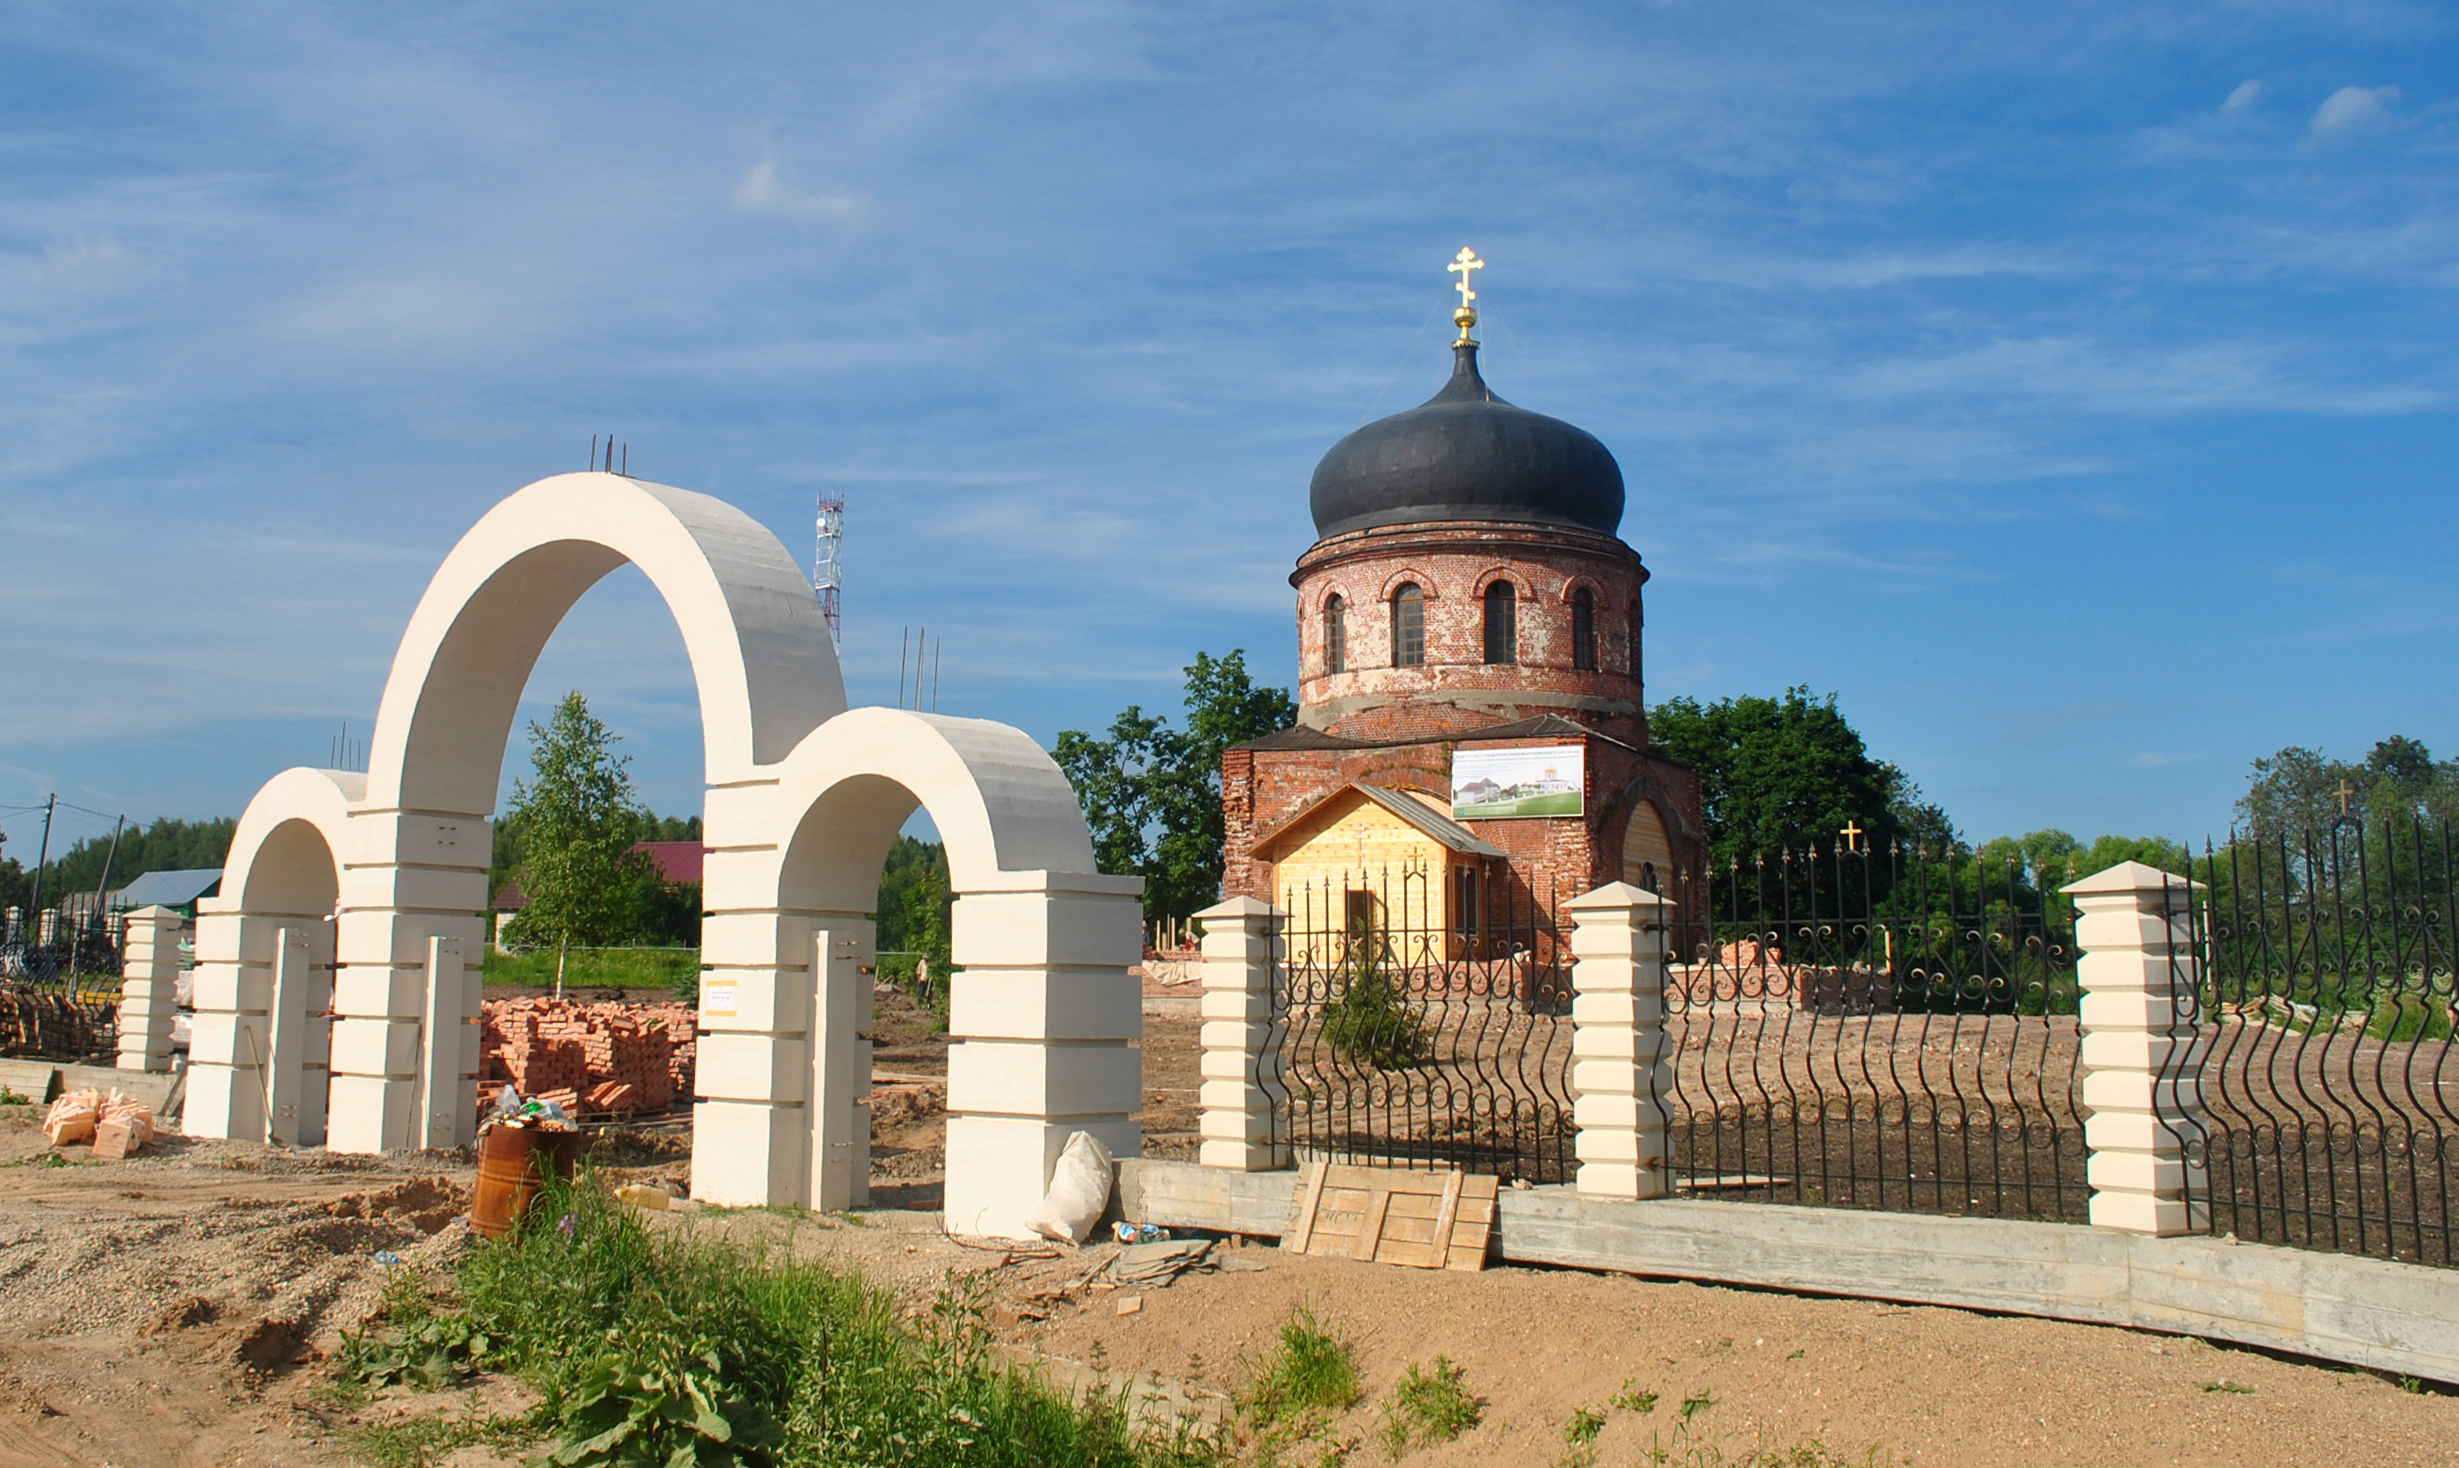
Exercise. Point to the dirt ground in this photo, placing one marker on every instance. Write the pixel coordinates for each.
(175, 1310)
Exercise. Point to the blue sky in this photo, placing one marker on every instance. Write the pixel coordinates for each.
(2069, 388)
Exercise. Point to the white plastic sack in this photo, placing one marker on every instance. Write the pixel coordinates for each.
(1079, 1191)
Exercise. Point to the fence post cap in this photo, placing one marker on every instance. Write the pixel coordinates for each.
(1237, 907)
(2129, 877)
(1618, 894)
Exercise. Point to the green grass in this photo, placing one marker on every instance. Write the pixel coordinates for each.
(1292, 1394)
(1429, 1408)
(1309, 1368)
(424, 1442)
(644, 1346)
(600, 968)
(1692, 1442)
(11, 1098)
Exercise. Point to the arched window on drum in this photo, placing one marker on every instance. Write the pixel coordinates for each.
(1408, 626)
(1502, 623)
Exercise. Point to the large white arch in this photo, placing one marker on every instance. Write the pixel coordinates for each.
(1044, 1008)
(803, 801)
(761, 659)
(264, 953)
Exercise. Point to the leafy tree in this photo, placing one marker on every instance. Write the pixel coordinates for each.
(167, 845)
(1785, 773)
(1152, 794)
(914, 901)
(577, 822)
(2298, 790)
(2053, 858)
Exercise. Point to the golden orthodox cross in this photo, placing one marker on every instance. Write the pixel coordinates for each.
(1461, 265)
(1852, 835)
(2345, 790)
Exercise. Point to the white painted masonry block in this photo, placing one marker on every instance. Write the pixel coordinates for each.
(224, 1101)
(218, 1038)
(369, 1114)
(1046, 1004)
(999, 1166)
(2143, 1051)
(737, 1066)
(375, 1047)
(767, 1001)
(1619, 1072)
(1025, 1078)
(1047, 930)
(746, 1154)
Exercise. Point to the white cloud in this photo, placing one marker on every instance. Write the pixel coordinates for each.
(2351, 108)
(96, 265)
(2249, 92)
(761, 193)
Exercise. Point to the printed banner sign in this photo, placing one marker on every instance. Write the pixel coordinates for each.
(1492, 784)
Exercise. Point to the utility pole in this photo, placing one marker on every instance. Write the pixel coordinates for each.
(109, 857)
(35, 913)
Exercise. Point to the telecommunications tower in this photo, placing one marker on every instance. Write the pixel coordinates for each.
(828, 565)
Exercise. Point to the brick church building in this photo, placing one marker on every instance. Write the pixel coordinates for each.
(1468, 610)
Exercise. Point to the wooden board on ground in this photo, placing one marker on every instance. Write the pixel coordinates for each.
(152, 1088)
(1391, 1215)
(36, 1080)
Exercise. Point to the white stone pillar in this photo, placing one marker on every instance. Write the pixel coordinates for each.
(1042, 1012)
(409, 876)
(447, 1114)
(751, 1131)
(1243, 949)
(1619, 1075)
(149, 986)
(840, 1073)
(227, 1038)
(2143, 1050)
(294, 968)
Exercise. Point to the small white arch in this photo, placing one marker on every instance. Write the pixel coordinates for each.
(999, 800)
(262, 1043)
(1042, 1011)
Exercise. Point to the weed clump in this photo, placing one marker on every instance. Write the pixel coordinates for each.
(1429, 1408)
(1293, 1393)
(671, 1349)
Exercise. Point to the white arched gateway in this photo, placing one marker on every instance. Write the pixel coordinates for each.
(803, 802)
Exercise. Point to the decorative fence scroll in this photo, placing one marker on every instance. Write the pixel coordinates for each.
(1417, 1028)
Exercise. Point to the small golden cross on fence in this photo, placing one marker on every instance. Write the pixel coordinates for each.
(1852, 835)
(2345, 790)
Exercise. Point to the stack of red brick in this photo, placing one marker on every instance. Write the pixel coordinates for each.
(617, 1058)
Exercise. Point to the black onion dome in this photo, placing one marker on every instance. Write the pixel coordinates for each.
(1465, 454)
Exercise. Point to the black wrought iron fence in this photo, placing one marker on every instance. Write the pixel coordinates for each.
(1876, 1030)
(2331, 1085)
(1423, 1017)
(59, 980)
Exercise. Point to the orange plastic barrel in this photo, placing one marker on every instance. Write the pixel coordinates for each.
(512, 1164)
